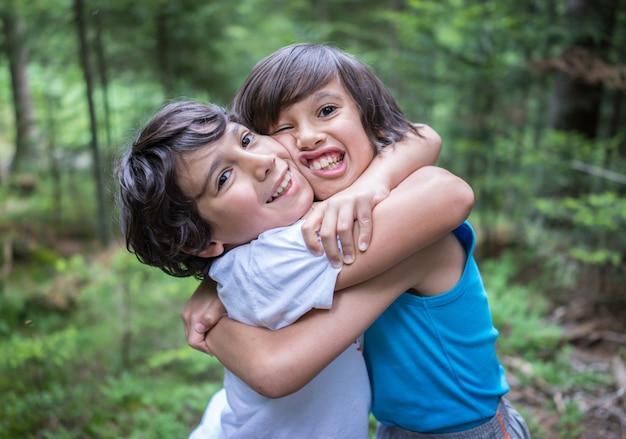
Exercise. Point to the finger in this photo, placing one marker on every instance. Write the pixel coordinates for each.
(365, 225)
(310, 232)
(328, 236)
(345, 233)
(197, 341)
(187, 326)
(206, 318)
(210, 318)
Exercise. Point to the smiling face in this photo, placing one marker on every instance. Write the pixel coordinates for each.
(324, 134)
(243, 184)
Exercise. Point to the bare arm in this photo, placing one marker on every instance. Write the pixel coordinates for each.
(278, 363)
(396, 162)
(275, 364)
(431, 203)
(337, 215)
(401, 226)
(386, 171)
(201, 312)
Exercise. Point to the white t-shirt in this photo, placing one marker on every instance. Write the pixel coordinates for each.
(271, 282)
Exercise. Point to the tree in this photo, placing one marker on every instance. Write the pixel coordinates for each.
(16, 48)
(81, 28)
(578, 91)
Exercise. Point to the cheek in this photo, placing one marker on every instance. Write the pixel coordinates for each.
(360, 150)
(325, 188)
(235, 219)
(362, 161)
(245, 226)
(288, 143)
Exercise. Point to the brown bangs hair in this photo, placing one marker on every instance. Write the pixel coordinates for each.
(296, 71)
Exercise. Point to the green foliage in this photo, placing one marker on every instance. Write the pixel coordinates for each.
(569, 423)
(18, 352)
(86, 367)
(518, 311)
(93, 372)
(592, 223)
(137, 408)
(559, 373)
(187, 363)
(577, 217)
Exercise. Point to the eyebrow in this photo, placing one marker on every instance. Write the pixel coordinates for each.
(322, 94)
(216, 164)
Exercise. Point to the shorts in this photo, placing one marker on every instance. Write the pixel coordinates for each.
(506, 424)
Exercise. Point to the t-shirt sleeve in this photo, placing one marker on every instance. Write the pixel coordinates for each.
(274, 280)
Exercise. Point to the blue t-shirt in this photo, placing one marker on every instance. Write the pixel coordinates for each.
(432, 361)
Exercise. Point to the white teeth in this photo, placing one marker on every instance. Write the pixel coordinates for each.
(325, 163)
(283, 185)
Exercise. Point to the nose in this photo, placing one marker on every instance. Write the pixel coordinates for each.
(308, 137)
(260, 165)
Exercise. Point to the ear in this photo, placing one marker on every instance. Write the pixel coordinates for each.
(214, 249)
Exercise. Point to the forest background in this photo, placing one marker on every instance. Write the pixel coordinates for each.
(528, 96)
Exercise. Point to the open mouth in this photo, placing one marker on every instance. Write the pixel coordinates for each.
(282, 187)
(326, 162)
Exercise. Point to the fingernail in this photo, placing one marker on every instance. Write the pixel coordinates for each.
(336, 264)
(200, 328)
(348, 259)
(363, 246)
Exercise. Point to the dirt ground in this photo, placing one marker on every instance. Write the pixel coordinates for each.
(596, 330)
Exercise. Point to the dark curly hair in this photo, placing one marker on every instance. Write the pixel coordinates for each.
(294, 72)
(162, 226)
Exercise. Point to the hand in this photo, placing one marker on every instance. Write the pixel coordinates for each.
(346, 215)
(335, 217)
(201, 313)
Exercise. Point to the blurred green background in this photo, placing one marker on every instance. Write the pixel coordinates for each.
(527, 95)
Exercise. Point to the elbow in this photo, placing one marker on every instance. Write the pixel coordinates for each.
(464, 196)
(431, 138)
(275, 392)
(273, 380)
(456, 194)
(435, 142)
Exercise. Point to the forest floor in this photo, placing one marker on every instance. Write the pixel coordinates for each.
(596, 331)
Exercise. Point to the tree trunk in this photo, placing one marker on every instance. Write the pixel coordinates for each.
(52, 103)
(17, 54)
(577, 97)
(104, 77)
(616, 104)
(97, 167)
